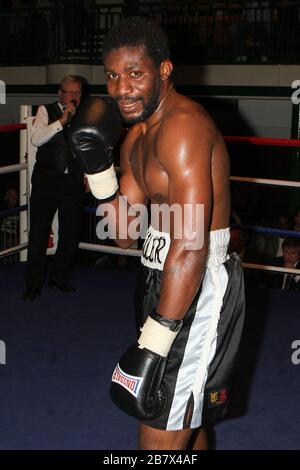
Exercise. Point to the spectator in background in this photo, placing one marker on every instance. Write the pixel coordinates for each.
(296, 225)
(238, 236)
(57, 184)
(273, 243)
(74, 20)
(244, 211)
(253, 28)
(34, 38)
(9, 225)
(11, 198)
(289, 260)
(5, 6)
(288, 24)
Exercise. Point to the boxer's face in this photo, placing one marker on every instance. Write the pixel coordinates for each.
(134, 82)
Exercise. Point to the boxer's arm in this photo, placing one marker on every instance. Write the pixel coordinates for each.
(129, 198)
(93, 133)
(143, 364)
(186, 157)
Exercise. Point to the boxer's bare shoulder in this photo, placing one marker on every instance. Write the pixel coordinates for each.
(179, 156)
(193, 154)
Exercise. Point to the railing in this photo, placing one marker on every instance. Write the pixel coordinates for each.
(9, 236)
(199, 32)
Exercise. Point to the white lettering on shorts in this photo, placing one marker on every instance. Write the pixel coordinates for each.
(155, 249)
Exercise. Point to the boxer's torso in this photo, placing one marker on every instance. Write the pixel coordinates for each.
(146, 159)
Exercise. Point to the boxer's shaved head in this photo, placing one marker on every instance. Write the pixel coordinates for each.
(135, 32)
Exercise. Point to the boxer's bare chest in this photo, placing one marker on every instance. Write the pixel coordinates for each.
(146, 168)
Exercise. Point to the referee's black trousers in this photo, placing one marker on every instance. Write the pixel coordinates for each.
(64, 194)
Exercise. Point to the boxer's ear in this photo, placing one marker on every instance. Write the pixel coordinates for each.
(166, 68)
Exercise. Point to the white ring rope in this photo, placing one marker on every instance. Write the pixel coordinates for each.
(132, 252)
(266, 267)
(13, 168)
(14, 249)
(115, 250)
(291, 184)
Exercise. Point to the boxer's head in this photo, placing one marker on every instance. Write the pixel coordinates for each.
(137, 31)
(137, 65)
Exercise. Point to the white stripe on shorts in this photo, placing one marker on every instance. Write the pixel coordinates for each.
(200, 350)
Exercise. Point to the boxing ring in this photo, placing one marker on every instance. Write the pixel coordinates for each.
(26, 161)
(61, 349)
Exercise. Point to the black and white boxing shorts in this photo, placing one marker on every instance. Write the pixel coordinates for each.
(199, 369)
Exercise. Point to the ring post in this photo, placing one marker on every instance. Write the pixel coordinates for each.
(25, 111)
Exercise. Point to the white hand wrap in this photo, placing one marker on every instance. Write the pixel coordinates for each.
(157, 338)
(103, 185)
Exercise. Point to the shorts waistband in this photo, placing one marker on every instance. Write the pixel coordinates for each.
(218, 246)
(156, 247)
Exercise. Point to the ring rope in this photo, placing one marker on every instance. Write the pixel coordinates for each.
(269, 141)
(280, 232)
(12, 127)
(277, 232)
(265, 141)
(115, 250)
(133, 252)
(284, 233)
(266, 267)
(16, 210)
(264, 181)
(13, 168)
(14, 249)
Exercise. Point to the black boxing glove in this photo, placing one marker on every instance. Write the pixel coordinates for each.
(136, 381)
(94, 131)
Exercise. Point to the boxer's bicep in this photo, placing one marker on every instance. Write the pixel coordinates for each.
(187, 161)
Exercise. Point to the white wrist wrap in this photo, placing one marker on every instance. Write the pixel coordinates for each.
(157, 338)
(104, 184)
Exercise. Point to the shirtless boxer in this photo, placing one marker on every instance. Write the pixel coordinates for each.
(178, 375)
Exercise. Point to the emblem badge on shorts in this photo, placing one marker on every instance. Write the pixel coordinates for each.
(130, 382)
(218, 397)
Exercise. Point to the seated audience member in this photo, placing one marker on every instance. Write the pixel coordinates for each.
(9, 225)
(253, 31)
(238, 237)
(296, 221)
(273, 243)
(290, 260)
